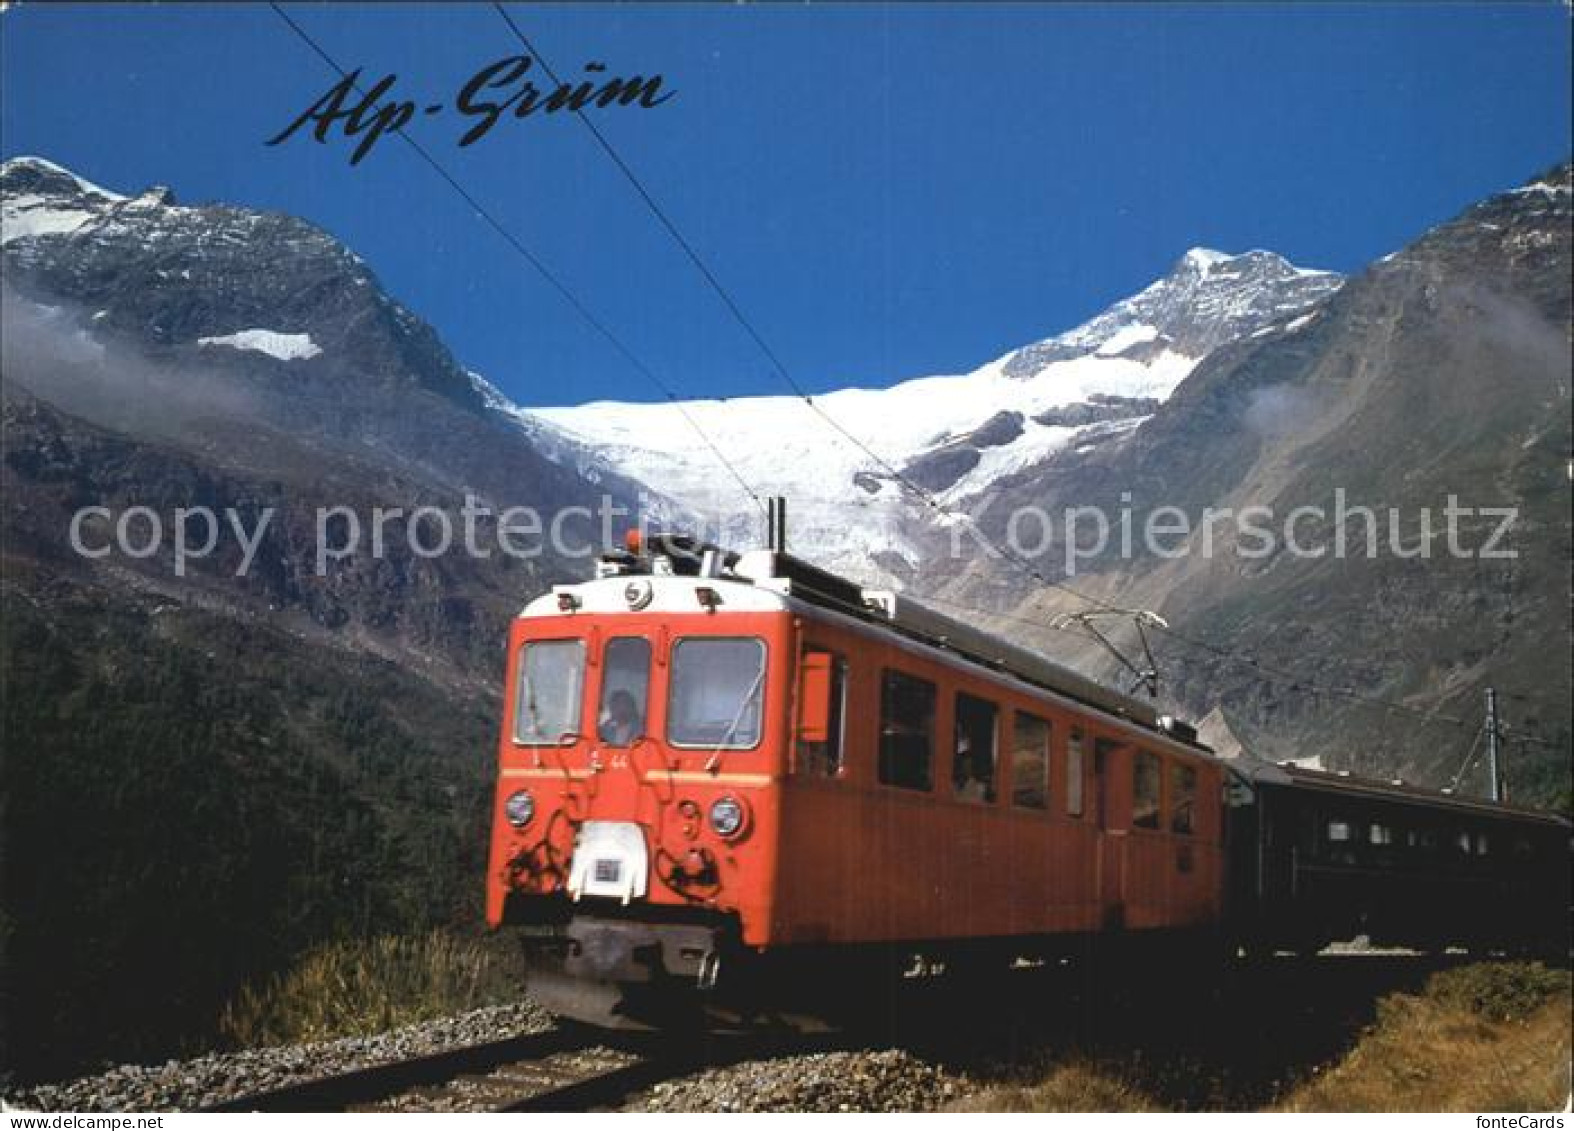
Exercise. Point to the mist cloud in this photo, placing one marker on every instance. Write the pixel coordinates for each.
(55, 351)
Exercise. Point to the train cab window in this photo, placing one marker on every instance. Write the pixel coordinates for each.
(1075, 774)
(1379, 834)
(973, 759)
(822, 694)
(625, 690)
(716, 691)
(907, 725)
(551, 684)
(1338, 832)
(1183, 799)
(1029, 761)
(1146, 784)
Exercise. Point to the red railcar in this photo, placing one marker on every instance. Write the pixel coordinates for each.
(720, 773)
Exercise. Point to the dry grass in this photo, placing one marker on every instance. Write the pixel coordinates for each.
(1487, 1037)
(1077, 1085)
(1482, 1038)
(365, 986)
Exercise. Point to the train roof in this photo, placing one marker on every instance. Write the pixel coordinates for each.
(1347, 784)
(672, 569)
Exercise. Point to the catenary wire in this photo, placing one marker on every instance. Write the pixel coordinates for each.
(541, 269)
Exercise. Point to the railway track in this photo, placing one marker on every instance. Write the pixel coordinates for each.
(558, 1070)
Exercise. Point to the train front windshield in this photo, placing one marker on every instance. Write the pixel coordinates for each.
(551, 690)
(717, 687)
(715, 692)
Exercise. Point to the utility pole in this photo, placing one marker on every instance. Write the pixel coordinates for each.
(1494, 767)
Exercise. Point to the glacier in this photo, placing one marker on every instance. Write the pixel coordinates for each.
(847, 511)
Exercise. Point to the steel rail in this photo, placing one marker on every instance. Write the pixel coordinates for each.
(367, 1085)
(604, 1089)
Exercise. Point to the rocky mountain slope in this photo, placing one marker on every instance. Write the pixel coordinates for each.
(1442, 370)
(207, 772)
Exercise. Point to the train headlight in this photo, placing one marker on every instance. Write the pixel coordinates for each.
(728, 816)
(519, 808)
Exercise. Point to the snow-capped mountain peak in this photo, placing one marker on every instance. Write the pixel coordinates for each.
(1207, 298)
(1202, 258)
(41, 198)
(223, 285)
(47, 176)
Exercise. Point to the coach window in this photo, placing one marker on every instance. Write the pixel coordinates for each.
(1483, 844)
(820, 749)
(907, 726)
(625, 690)
(1380, 834)
(1338, 832)
(1183, 803)
(716, 690)
(1074, 773)
(1145, 787)
(551, 681)
(1029, 761)
(973, 761)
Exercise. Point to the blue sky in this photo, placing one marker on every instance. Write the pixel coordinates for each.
(887, 191)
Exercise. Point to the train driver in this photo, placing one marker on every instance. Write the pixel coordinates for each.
(623, 721)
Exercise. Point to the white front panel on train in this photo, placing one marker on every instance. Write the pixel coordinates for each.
(610, 859)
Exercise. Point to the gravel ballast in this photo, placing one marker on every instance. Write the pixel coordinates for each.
(184, 1085)
(882, 1081)
(876, 1080)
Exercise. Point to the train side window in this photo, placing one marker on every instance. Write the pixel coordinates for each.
(1030, 761)
(1462, 842)
(1075, 776)
(1146, 783)
(907, 725)
(973, 760)
(822, 723)
(1183, 799)
(1338, 832)
(1483, 844)
(1380, 834)
(625, 687)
